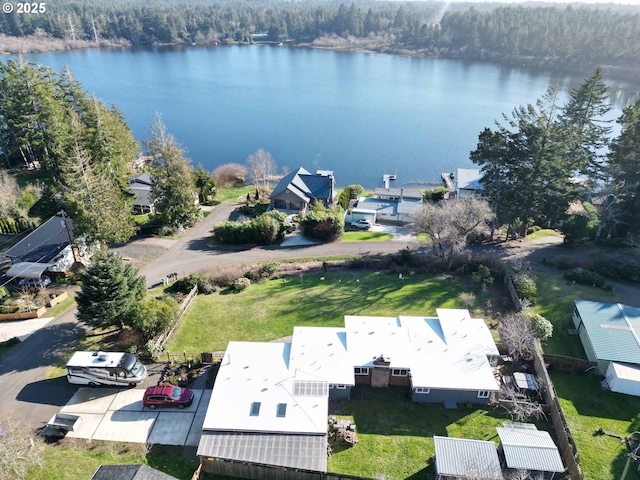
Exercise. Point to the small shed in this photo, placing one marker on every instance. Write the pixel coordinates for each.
(624, 378)
(524, 447)
(461, 458)
(130, 472)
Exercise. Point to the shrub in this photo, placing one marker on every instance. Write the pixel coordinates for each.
(324, 225)
(154, 316)
(585, 277)
(541, 327)
(482, 275)
(4, 293)
(268, 269)
(186, 284)
(525, 287)
(241, 283)
(265, 229)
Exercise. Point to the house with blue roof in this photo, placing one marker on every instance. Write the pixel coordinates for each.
(299, 190)
(609, 334)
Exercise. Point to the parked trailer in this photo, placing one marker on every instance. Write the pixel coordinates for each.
(105, 368)
(62, 423)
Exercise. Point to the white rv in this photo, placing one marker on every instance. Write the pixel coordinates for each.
(105, 368)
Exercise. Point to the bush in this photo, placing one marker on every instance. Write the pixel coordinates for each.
(324, 225)
(525, 287)
(265, 229)
(4, 294)
(482, 275)
(541, 327)
(241, 283)
(585, 277)
(186, 284)
(154, 316)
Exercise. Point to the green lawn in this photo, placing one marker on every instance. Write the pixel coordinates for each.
(555, 303)
(545, 232)
(233, 194)
(366, 237)
(267, 311)
(588, 408)
(395, 435)
(79, 460)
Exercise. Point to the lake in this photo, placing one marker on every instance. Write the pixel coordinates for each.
(360, 115)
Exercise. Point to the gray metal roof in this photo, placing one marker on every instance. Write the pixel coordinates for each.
(306, 185)
(613, 330)
(129, 472)
(27, 270)
(462, 458)
(45, 242)
(529, 449)
(304, 452)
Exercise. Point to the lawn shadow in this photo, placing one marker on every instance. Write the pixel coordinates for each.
(591, 400)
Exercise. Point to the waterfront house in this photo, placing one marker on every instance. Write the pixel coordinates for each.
(140, 186)
(299, 190)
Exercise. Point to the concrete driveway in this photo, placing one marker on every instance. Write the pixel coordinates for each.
(114, 414)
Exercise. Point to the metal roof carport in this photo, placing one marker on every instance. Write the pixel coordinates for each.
(292, 451)
(27, 270)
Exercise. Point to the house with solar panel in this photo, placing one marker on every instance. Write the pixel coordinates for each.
(270, 401)
(299, 190)
(46, 250)
(610, 335)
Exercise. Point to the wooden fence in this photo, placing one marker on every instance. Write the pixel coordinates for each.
(568, 364)
(566, 444)
(263, 472)
(23, 315)
(517, 303)
(162, 339)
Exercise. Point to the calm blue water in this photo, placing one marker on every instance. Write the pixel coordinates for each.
(360, 115)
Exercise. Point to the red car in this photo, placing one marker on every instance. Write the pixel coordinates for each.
(167, 397)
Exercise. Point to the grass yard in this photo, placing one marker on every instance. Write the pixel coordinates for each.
(395, 435)
(366, 237)
(555, 303)
(588, 408)
(545, 232)
(79, 459)
(234, 194)
(267, 311)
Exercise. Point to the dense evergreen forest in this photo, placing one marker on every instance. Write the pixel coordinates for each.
(571, 37)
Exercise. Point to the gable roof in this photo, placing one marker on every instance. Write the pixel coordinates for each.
(613, 330)
(445, 352)
(143, 178)
(129, 472)
(469, 179)
(305, 185)
(45, 242)
(462, 458)
(406, 193)
(527, 448)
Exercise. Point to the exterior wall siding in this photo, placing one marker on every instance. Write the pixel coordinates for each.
(458, 396)
(363, 379)
(401, 381)
(339, 393)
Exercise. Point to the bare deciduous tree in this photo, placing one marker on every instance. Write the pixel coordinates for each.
(230, 174)
(449, 223)
(519, 409)
(9, 193)
(516, 332)
(19, 450)
(261, 166)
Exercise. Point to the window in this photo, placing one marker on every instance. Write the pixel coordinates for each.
(484, 394)
(422, 390)
(282, 410)
(362, 370)
(341, 387)
(255, 409)
(399, 372)
(331, 387)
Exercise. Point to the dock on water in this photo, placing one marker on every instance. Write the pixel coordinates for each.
(447, 179)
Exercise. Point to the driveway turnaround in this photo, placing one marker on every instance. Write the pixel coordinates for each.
(118, 415)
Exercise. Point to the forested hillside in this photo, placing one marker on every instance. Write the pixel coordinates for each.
(575, 37)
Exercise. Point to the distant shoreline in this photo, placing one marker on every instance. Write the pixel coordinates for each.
(44, 44)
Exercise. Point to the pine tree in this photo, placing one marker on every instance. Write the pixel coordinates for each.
(110, 292)
(173, 181)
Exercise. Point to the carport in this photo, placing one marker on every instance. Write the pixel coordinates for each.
(27, 270)
(114, 414)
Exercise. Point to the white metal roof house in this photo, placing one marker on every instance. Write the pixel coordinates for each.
(391, 204)
(524, 447)
(609, 334)
(298, 190)
(468, 182)
(462, 458)
(269, 404)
